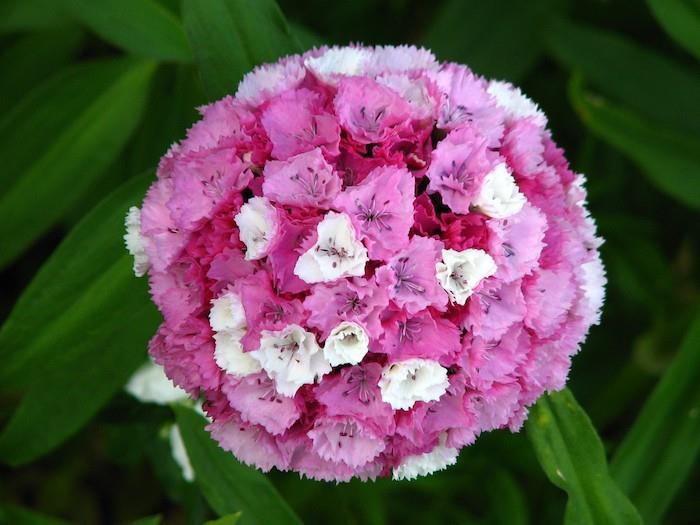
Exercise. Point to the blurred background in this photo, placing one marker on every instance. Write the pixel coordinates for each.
(92, 93)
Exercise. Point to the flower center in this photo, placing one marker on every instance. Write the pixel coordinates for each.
(405, 279)
(357, 382)
(371, 215)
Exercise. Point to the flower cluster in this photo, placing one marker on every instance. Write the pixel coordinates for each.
(365, 259)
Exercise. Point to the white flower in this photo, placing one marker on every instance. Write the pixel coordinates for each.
(347, 344)
(177, 449)
(337, 252)
(258, 223)
(135, 243)
(269, 80)
(594, 281)
(291, 357)
(460, 272)
(227, 320)
(439, 458)
(149, 384)
(229, 355)
(401, 58)
(339, 61)
(499, 196)
(515, 103)
(405, 382)
(413, 91)
(227, 313)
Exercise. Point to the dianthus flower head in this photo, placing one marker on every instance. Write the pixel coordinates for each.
(364, 259)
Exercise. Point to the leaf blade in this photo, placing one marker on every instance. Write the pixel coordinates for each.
(60, 139)
(618, 67)
(572, 456)
(32, 58)
(228, 485)
(142, 27)
(95, 320)
(22, 15)
(658, 453)
(225, 38)
(670, 160)
(681, 20)
(498, 39)
(21, 516)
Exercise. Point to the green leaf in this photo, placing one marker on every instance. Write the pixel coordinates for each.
(500, 38)
(15, 515)
(671, 160)
(228, 485)
(32, 58)
(306, 37)
(22, 15)
(166, 118)
(629, 73)
(571, 454)
(143, 27)
(508, 502)
(230, 37)
(59, 140)
(231, 519)
(659, 452)
(681, 20)
(77, 332)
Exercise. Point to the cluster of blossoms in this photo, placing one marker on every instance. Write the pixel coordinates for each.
(365, 259)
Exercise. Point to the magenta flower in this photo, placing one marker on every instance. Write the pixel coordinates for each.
(364, 260)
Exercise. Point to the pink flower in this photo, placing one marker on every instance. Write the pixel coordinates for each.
(225, 122)
(251, 444)
(494, 308)
(345, 440)
(381, 208)
(358, 300)
(523, 148)
(162, 238)
(355, 393)
(368, 110)
(458, 167)
(465, 100)
(200, 183)
(265, 309)
(293, 234)
(488, 360)
(516, 243)
(364, 260)
(549, 295)
(421, 335)
(187, 355)
(305, 180)
(410, 276)
(494, 407)
(259, 403)
(296, 122)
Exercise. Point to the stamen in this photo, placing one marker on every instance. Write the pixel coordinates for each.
(508, 249)
(358, 379)
(409, 330)
(371, 215)
(272, 312)
(404, 278)
(351, 304)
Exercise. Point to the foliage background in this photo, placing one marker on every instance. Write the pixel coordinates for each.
(93, 92)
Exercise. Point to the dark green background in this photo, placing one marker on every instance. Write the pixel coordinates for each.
(93, 92)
